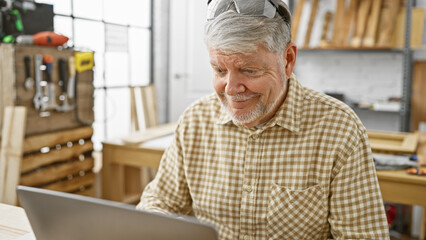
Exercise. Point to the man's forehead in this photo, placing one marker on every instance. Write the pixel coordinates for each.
(238, 58)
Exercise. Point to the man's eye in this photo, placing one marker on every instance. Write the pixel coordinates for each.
(249, 71)
(218, 70)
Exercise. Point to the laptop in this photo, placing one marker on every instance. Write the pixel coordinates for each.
(64, 216)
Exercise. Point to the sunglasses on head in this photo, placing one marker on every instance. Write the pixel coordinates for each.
(266, 8)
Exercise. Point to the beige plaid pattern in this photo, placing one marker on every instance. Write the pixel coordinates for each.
(306, 174)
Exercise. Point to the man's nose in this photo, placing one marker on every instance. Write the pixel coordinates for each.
(234, 83)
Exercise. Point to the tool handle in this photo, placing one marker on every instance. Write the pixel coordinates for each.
(47, 60)
(62, 73)
(71, 66)
(27, 60)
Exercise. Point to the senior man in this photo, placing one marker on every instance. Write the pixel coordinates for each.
(264, 157)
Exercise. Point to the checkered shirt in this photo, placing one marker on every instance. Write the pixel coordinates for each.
(306, 174)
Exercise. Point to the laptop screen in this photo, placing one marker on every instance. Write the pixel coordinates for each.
(65, 216)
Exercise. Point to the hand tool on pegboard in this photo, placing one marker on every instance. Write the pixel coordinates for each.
(65, 107)
(51, 99)
(38, 100)
(71, 80)
(84, 61)
(46, 38)
(29, 81)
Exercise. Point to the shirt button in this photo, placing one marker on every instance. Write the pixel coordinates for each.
(255, 136)
(246, 237)
(248, 188)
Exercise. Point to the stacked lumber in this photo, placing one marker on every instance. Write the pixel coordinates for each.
(356, 24)
(60, 161)
(56, 149)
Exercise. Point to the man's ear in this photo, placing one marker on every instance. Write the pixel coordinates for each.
(290, 58)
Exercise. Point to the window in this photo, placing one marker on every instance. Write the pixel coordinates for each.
(120, 34)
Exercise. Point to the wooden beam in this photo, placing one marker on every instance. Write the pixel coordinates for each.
(149, 106)
(11, 152)
(388, 17)
(418, 97)
(88, 192)
(311, 23)
(7, 78)
(56, 172)
(35, 143)
(296, 19)
(362, 15)
(324, 42)
(37, 160)
(372, 24)
(417, 28)
(348, 23)
(73, 184)
(339, 17)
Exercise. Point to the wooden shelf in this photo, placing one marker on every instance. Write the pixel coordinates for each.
(354, 49)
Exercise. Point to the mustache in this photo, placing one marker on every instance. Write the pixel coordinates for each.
(240, 97)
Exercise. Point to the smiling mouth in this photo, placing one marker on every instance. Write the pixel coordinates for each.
(240, 97)
(241, 102)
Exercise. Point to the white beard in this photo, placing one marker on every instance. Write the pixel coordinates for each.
(261, 109)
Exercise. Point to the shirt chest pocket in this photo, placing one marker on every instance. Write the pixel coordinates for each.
(297, 214)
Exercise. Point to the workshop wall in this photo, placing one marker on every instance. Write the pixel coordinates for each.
(362, 77)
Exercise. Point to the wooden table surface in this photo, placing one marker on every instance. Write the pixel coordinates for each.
(13, 222)
(399, 187)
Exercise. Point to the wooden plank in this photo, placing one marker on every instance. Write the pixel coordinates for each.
(395, 142)
(133, 114)
(150, 133)
(37, 160)
(324, 42)
(362, 15)
(417, 26)
(7, 78)
(311, 23)
(88, 192)
(74, 184)
(421, 149)
(418, 97)
(56, 172)
(296, 19)
(388, 15)
(11, 152)
(339, 17)
(35, 143)
(372, 24)
(349, 23)
(149, 106)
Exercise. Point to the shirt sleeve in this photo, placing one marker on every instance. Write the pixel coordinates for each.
(168, 193)
(356, 205)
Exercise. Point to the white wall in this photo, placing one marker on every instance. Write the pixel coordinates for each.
(361, 76)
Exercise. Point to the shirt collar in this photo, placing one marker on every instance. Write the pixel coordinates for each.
(287, 116)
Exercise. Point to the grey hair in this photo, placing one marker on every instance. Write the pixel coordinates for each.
(233, 32)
